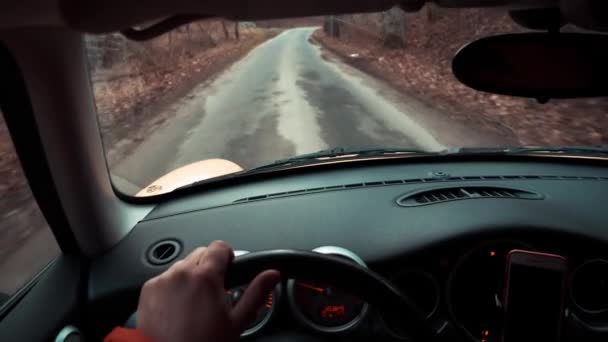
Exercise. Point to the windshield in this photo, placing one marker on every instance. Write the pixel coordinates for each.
(241, 95)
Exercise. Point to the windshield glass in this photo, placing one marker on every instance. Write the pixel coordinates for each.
(234, 96)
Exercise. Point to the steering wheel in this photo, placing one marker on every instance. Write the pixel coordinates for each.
(399, 312)
(397, 309)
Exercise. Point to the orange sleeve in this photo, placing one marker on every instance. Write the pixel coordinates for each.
(126, 335)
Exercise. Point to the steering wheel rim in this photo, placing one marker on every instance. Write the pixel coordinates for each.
(398, 310)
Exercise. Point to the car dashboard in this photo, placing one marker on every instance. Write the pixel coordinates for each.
(439, 231)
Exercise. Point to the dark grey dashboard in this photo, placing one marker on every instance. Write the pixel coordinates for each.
(356, 208)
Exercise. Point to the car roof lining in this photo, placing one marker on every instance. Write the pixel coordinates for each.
(115, 15)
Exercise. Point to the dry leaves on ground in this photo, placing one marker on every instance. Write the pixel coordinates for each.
(423, 69)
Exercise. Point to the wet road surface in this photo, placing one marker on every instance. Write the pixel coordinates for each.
(286, 97)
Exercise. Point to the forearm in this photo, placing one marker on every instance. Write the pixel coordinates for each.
(120, 334)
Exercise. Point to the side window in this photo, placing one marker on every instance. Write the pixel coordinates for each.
(26, 242)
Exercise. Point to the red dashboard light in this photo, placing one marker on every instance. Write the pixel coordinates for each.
(492, 253)
(331, 311)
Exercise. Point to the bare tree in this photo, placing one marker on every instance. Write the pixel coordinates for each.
(430, 16)
(331, 26)
(206, 34)
(188, 33)
(236, 30)
(393, 28)
(226, 33)
(170, 43)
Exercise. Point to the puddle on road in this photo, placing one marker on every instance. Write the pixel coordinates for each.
(310, 75)
(265, 140)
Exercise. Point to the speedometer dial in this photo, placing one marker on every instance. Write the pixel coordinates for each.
(323, 307)
(327, 308)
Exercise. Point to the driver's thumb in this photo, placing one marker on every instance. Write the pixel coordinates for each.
(254, 297)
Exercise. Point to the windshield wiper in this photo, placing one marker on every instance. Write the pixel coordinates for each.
(340, 152)
(531, 150)
(316, 157)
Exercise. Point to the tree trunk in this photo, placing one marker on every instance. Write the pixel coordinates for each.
(403, 29)
(207, 34)
(336, 27)
(430, 18)
(226, 34)
(392, 28)
(236, 31)
(331, 26)
(170, 43)
(429, 13)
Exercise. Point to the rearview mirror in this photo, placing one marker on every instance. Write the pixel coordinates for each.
(538, 65)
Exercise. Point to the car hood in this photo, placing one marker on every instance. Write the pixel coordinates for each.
(191, 173)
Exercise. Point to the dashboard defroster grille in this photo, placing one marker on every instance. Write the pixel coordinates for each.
(440, 195)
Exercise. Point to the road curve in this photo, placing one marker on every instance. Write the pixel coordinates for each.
(285, 98)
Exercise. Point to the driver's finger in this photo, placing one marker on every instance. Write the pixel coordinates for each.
(217, 258)
(194, 258)
(254, 297)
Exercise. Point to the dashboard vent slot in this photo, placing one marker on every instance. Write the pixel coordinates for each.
(459, 193)
(163, 252)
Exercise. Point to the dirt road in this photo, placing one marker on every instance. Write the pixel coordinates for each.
(285, 98)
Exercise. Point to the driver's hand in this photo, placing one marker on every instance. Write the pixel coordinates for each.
(188, 302)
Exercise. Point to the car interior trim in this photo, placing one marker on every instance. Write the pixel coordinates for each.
(79, 171)
(20, 121)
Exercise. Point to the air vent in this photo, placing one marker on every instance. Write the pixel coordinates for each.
(459, 193)
(163, 252)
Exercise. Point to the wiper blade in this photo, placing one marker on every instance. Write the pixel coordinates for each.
(313, 158)
(339, 152)
(557, 150)
(599, 149)
(335, 153)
